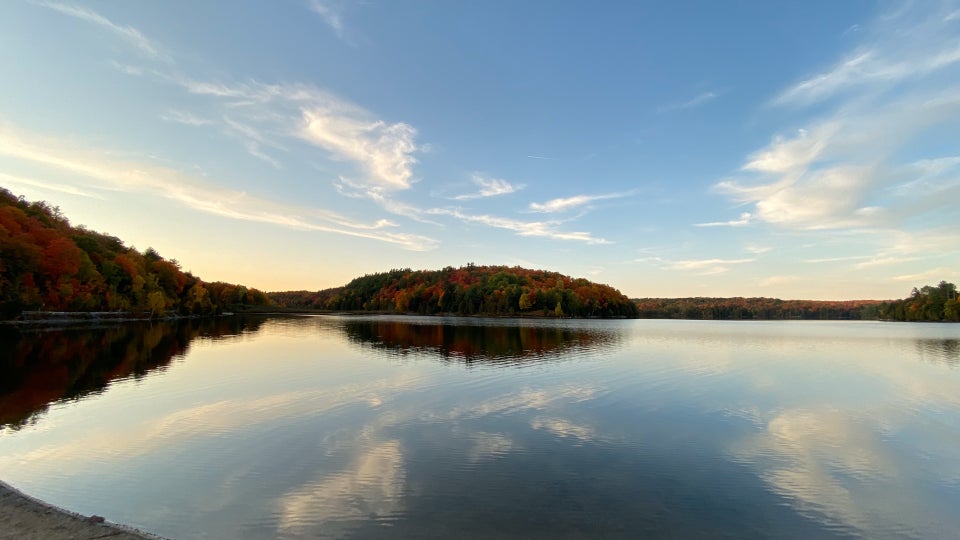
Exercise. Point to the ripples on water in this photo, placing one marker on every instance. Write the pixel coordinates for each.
(433, 427)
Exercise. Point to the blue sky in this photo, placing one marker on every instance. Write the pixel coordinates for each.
(797, 150)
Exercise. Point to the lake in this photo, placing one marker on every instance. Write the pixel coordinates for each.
(426, 427)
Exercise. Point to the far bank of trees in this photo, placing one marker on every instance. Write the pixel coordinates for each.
(928, 303)
(468, 290)
(755, 309)
(46, 264)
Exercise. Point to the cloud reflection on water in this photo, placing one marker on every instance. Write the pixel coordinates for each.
(822, 429)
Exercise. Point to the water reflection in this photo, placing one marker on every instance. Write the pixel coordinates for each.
(311, 429)
(41, 366)
(946, 351)
(471, 342)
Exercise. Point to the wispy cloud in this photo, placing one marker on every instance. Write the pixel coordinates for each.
(836, 259)
(746, 218)
(757, 250)
(696, 101)
(384, 151)
(703, 267)
(489, 187)
(253, 140)
(128, 33)
(329, 13)
(883, 261)
(44, 185)
(183, 117)
(773, 281)
(909, 45)
(844, 170)
(865, 166)
(934, 273)
(569, 203)
(544, 229)
(895, 247)
(108, 173)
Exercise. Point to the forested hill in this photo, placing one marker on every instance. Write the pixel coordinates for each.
(468, 290)
(47, 264)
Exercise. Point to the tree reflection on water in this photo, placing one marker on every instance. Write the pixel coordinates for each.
(507, 343)
(42, 366)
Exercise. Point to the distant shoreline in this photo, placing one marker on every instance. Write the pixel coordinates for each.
(56, 318)
(25, 517)
(87, 318)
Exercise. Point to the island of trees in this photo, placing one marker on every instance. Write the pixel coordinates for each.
(49, 265)
(468, 290)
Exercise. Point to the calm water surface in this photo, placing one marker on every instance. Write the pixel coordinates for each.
(408, 427)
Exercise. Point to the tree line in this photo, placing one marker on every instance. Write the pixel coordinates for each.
(468, 290)
(928, 303)
(755, 309)
(47, 264)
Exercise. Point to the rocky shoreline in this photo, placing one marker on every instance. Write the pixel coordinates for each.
(23, 517)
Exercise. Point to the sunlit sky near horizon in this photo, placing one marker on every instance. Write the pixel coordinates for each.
(787, 149)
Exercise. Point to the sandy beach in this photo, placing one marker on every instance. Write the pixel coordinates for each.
(24, 518)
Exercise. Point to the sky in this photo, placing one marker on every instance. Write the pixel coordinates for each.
(804, 150)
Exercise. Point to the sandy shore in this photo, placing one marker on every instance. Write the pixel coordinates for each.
(24, 518)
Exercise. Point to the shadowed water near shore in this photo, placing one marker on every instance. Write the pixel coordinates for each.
(44, 365)
(391, 426)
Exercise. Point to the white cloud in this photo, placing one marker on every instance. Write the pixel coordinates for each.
(746, 218)
(384, 150)
(569, 203)
(489, 187)
(785, 155)
(707, 266)
(834, 174)
(128, 33)
(756, 249)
